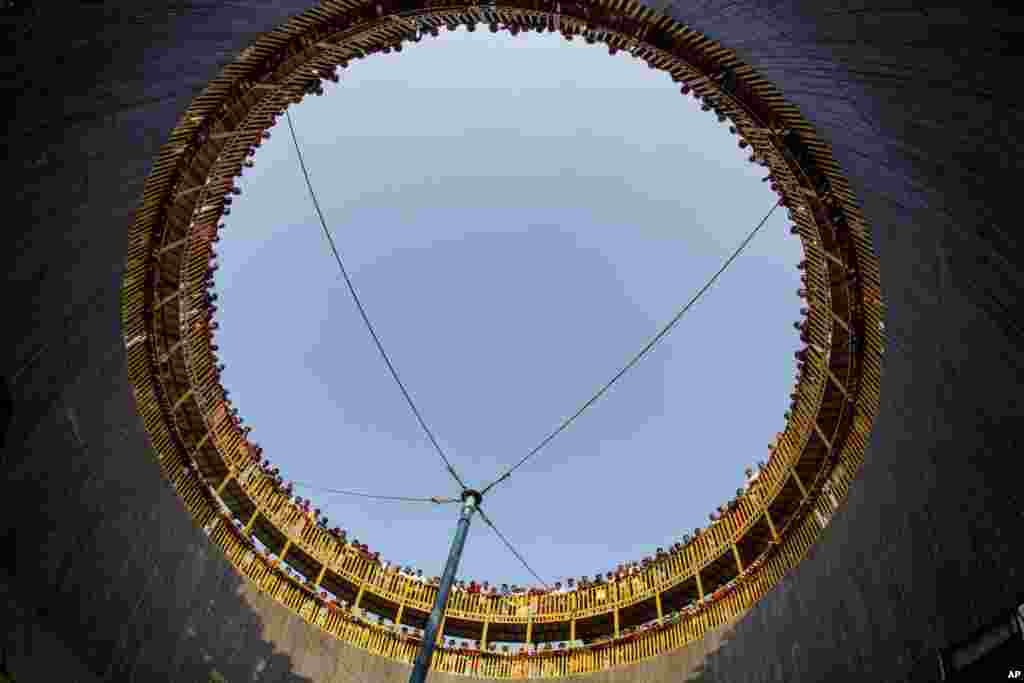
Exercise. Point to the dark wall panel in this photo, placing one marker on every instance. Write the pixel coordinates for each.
(920, 106)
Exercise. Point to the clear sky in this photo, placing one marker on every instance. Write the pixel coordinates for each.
(520, 216)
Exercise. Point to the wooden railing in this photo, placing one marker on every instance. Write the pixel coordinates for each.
(242, 102)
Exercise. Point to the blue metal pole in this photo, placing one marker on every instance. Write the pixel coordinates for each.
(470, 500)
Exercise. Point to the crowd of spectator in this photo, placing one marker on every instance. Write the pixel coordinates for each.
(262, 467)
(329, 604)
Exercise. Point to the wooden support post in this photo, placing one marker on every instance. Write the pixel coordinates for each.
(736, 554)
(799, 484)
(616, 622)
(202, 442)
(837, 382)
(320, 576)
(657, 603)
(287, 547)
(821, 435)
(529, 631)
(248, 526)
(401, 603)
(700, 586)
(771, 526)
(483, 636)
(572, 629)
(359, 595)
(841, 322)
(835, 259)
(224, 484)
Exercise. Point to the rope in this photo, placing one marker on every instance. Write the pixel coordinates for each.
(508, 545)
(362, 311)
(432, 499)
(658, 337)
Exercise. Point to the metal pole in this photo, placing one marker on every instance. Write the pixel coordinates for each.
(470, 500)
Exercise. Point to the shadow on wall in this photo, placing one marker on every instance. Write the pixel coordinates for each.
(106, 578)
(103, 574)
(6, 410)
(42, 644)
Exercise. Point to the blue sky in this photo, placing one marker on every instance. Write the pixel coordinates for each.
(519, 216)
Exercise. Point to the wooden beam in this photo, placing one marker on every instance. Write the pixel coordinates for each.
(821, 435)
(177, 345)
(572, 629)
(223, 484)
(167, 299)
(616, 622)
(248, 526)
(359, 595)
(184, 397)
(320, 576)
(657, 603)
(191, 190)
(529, 630)
(736, 554)
(201, 443)
(841, 322)
(236, 131)
(700, 586)
(440, 628)
(483, 636)
(836, 381)
(771, 526)
(835, 259)
(172, 246)
(799, 484)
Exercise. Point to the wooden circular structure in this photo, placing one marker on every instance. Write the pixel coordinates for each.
(719, 574)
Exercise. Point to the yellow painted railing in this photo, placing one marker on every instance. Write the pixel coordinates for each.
(242, 102)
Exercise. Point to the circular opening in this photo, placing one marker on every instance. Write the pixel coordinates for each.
(515, 244)
(710, 579)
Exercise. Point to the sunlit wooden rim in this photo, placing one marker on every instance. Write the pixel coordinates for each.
(170, 361)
